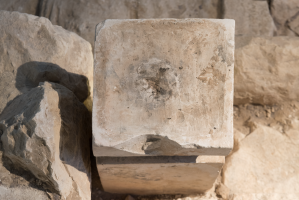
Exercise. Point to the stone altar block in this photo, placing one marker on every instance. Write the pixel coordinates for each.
(163, 87)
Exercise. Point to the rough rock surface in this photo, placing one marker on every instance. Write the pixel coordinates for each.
(178, 9)
(17, 183)
(266, 161)
(22, 6)
(266, 70)
(46, 131)
(22, 193)
(163, 87)
(33, 50)
(285, 15)
(252, 17)
(82, 17)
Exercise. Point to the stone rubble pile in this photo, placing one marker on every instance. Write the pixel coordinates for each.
(46, 78)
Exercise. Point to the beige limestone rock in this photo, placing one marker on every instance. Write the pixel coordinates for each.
(46, 131)
(159, 175)
(33, 50)
(265, 166)
(23, 6)
(266, 70)
(285, 15)
(178, 9)
(81, 17)
(163, 87)
(252, 17)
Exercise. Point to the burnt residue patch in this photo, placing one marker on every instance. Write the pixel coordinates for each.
(221, 53)
(155, 82)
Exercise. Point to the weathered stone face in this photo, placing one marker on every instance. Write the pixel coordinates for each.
(163, 87)
(266, 70)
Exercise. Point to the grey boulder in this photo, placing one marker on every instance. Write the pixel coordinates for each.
(46, 131)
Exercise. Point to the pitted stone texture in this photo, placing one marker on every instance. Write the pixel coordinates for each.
(47, 131)
(266, 70)
(178, 9)
(163, 87)
(285, 15)
(33, 50)
(159, 175)
(81, 17)
(252, 17)
(22, 6)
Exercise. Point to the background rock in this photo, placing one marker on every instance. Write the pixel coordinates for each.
(252, 17)
(178, 9)
(266, 161)
(266, 70)
(285, 15)
(82, 17)
(22, 6)
(49, 136)
(27, 39)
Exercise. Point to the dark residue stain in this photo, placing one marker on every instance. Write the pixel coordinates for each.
(153, 82)
(221, 53)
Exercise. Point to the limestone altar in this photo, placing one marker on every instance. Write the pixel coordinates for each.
(163, 87)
